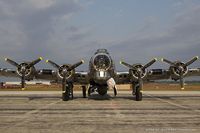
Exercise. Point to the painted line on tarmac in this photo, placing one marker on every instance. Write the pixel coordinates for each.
(172, 103)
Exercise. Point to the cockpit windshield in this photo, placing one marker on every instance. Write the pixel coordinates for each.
(102, 62)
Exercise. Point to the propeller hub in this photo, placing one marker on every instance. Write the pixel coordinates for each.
(180, 69)
(138, 72)
(24, 69)
(64, 71)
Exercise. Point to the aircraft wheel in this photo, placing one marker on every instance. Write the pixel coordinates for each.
(66, 95)
(102, 91)
(68, 92)
(84, 91)
(89, 91)
(138, 94)
(72, 93)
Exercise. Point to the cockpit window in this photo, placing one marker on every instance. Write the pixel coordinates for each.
(102, 62)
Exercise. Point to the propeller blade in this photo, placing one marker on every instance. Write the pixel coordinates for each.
(53, 64)
(12, 62)
(150, 63)
(126, 64)
(76, 65)
(35, 62)
(167, 61)
(192, 61)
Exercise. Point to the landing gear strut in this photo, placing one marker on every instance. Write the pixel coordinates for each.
(91, 89)
(84, 91)
(137, 92)
(68, 92)
(115, 91)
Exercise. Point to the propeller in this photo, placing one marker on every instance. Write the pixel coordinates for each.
(139, 71)
(23, 69)
(64, 71)
(180, 69)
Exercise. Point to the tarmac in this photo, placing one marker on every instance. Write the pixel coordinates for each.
(44, 111)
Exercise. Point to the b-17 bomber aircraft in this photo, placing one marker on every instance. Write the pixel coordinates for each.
(101, 75)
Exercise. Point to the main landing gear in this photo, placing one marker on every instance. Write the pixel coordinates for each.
(68, 92)
(101, 90)
(84, 89)
(137, 92)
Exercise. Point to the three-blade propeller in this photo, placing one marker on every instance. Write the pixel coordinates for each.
(180, 69)
(139, 71)
(64, 70)
(23, 69)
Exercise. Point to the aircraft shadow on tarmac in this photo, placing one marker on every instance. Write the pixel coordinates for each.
(94, 97)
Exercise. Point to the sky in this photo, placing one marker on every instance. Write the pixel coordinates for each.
(66, 31)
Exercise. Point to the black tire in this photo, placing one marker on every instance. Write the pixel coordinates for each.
(72, 93)
(68, 92)
(84, 91)
(115, 91)
(89, 91)
(138, 94)
(102, 91)
(66, 95)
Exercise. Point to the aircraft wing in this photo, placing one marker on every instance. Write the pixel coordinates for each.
(157, 74)
(78, 77)
(122, 78)
(47, 74)
(139, 73)
(154, 74)
(8, 72)
(162, 74)
(81, 78)
(193, 72)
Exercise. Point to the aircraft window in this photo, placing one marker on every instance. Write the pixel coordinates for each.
(102, 62)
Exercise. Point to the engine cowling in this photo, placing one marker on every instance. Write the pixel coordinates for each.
(64, 69)
(28, 71)
(137, 71)
(65, 72)
(177, 69)
(25, 70)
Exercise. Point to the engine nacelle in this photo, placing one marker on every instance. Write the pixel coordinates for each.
(134, 72)
(177, 68)
(29, 72)
(64, 69)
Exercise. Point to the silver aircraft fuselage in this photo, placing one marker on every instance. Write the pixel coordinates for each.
(101, 67)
